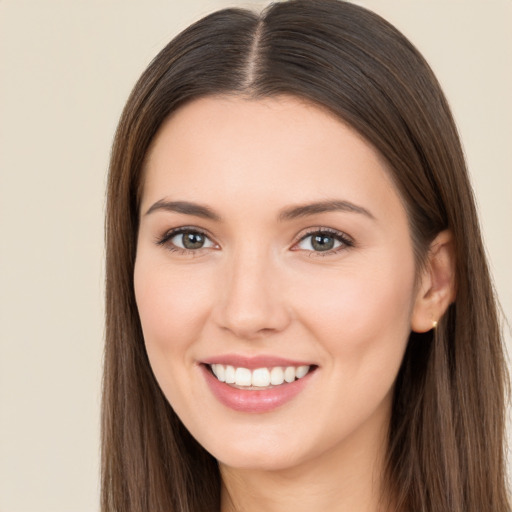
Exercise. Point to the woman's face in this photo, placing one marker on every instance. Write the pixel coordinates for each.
(273, 250)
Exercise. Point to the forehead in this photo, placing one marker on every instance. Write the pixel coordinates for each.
(233, 150)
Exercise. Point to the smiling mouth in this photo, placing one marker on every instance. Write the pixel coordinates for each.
(259, 378)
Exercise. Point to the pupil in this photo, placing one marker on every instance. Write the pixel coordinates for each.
(322, 242)
(193, 240)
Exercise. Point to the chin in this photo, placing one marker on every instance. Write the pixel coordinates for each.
(258, 454)
(258, 461)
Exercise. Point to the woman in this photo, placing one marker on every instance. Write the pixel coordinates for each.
(299, 311)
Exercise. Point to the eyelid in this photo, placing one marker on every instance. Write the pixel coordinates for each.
(346, 240)
(165, 239)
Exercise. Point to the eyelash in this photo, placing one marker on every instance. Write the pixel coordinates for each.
(345, 240)
(169, 235)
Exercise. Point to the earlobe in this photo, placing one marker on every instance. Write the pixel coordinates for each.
(437, 287)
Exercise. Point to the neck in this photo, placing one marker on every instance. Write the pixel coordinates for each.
(346, 479)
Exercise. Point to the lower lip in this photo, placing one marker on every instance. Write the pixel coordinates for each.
(253, 400)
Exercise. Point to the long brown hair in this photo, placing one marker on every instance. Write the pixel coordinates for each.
(445, 450)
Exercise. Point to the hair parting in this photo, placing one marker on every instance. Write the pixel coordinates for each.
(446, 435)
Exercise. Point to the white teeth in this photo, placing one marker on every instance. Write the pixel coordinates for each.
(243, 377)
(289, 374)
(301, 371)
(276, 376)
(229, 374)
(219, 371)
(260, 377)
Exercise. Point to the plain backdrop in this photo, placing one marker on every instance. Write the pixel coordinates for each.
(66, 69)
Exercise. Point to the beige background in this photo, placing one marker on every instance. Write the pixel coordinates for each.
(66, 68)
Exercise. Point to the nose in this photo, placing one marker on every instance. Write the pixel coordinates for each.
(252, 299)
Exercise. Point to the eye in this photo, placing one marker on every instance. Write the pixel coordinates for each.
(186, 239)
(191, 240)
(323, 240)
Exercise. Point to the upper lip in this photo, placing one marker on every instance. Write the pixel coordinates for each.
(253, 362)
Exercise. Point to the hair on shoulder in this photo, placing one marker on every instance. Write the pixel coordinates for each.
(446, 436)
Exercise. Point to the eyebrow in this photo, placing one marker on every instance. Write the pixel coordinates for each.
(184, 207)
(296, 212)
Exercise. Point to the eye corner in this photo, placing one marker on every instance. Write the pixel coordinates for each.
(340, 241)
(166, 240)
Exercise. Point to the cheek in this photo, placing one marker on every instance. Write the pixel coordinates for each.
(367, 308)
(172, 309)
(363, 325)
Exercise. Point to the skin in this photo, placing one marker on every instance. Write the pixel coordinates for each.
(257, 286)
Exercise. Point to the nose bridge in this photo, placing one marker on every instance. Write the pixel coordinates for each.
(252, 302)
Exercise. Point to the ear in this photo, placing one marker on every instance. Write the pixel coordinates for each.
(436, 286)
